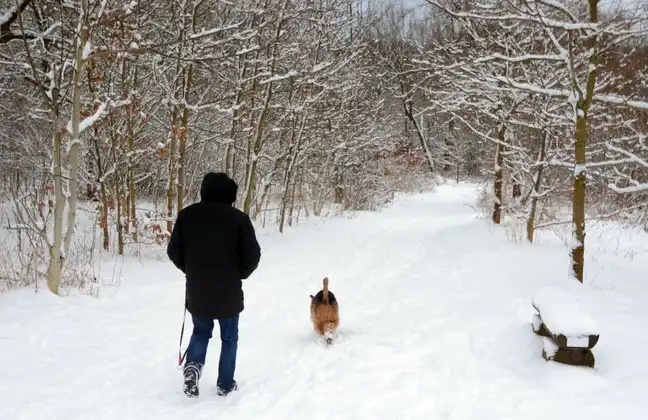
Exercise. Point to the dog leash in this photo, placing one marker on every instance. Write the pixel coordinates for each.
(181, 356)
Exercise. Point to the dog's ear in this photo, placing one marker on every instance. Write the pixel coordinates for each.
(312, 297)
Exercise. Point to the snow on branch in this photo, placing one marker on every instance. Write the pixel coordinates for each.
(215, 31)
(619, 100)
(522, 58)
(94, 118)
(638, 186)
(503, 16)
(279, 77)
(564, 93)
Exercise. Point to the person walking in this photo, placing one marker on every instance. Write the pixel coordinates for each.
(214, 244)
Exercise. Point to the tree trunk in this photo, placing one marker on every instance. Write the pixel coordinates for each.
(409, 113)
(131, 189)
(580, 151)
(264, 196)
(293, 152)
(103, 209)
(103, 196)
(171, 182)
(284, 205)
(75, 138)
(118, 193)
(292, 201)
(55, 267)
(339, 187)
(131, 171)
(124, 201)
(260, 129)
(498, 177)
(229, 148)
(182, 144)
(105, 232)
(182, 147)
(302, 196)
(578, 199)
(517, 191)
(119, 224)
(132, 214)
(57, 255)
(536, 190)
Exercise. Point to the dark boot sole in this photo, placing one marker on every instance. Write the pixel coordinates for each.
(222, 393)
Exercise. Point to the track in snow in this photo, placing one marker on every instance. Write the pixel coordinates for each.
(435, 319)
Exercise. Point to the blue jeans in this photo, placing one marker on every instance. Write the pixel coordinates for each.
(197, 350)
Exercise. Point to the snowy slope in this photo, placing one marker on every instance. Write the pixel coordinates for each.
(435, 324)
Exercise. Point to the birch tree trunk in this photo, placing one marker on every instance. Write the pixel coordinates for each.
(58, 254)
(55, 266)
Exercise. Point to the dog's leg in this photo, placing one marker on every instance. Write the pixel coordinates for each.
(329, 332)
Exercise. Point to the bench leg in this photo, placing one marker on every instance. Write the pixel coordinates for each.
(573, 357)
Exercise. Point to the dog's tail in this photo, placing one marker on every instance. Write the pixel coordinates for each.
(325, 298)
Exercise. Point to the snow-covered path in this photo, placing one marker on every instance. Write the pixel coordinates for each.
(435, 312)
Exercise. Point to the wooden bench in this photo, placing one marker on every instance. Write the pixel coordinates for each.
(569, 332)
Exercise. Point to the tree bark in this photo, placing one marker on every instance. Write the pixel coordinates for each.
(171, 181)
(182, 144)
(55, 266)
(499, 175)
(578, 199)
(75, 138)
(580, 151)
(536, 190)
(131, 172)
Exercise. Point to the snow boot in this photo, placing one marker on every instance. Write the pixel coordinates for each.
(191, 379)
(224, 392)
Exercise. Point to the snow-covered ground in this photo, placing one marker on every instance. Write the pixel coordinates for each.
(435, 324)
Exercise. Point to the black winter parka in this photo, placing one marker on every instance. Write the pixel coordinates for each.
(215, 246)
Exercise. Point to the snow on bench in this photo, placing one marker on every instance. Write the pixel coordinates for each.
(564, 317)
(570, 332)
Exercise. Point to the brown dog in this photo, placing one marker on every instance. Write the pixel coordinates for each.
(324, 313)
